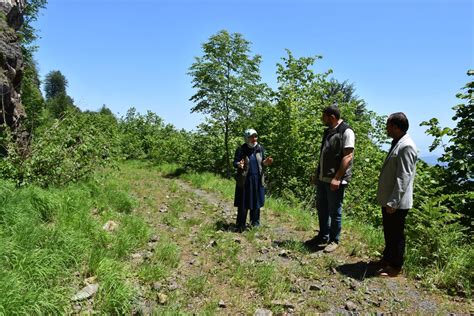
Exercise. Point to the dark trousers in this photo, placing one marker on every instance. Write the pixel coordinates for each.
(242, 217)
(394, 234)
(329, 205)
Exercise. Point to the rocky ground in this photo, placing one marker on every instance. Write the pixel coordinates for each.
(195, 263)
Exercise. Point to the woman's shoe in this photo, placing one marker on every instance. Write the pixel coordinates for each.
(389, 272)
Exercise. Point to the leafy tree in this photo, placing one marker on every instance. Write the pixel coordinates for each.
(458, 174)
(106, 111)
(227, 80)
(27, 32)
(31, 96)
(291, 128)
(345, 92)
(58, 102)
(459, 152)
(148, 137)
(54, 84)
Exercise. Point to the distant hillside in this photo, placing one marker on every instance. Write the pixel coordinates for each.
(432, 160)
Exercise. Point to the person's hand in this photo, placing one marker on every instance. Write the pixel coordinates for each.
(335, 183)
(241, 164)
(268, 161)
(390, 210)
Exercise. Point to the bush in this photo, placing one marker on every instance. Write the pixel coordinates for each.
(64, 151)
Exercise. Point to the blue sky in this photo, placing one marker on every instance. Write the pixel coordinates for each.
(407, 55)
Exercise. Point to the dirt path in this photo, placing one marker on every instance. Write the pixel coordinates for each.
(207, 268)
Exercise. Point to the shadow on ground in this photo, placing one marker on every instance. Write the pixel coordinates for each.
(294, 245)
(226, 226)
(359, 270)
(175, 174)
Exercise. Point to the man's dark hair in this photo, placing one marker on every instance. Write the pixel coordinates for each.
(400, 120)
(332, 110)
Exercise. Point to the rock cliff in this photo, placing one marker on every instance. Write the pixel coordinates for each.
(11, 63)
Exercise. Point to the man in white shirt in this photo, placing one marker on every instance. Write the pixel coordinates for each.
(333, 174)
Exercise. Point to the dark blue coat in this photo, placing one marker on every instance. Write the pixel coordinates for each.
(249, 189)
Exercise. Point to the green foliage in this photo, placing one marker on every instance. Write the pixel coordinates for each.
(27, 32)
(64, 151)
(59, 105)
(439, 247)
(227, 80)
(147, 137)
(54, 84)
(458, 174)
(57, 101)
(205, 150)
(458, 153)
(31, 96)
(290, 129)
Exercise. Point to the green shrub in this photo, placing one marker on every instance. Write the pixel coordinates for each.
(63, 151)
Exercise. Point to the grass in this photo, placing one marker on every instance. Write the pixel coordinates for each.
(166, 257)
(211, 182)
(198, 285)
(50, 240)
(176, 207)
(226, 251)
(167, 253)
(362, 239)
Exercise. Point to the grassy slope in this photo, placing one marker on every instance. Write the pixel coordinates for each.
(51, 240)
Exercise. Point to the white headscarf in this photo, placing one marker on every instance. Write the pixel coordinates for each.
(249, 132)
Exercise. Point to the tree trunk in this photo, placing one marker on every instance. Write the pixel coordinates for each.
(227, 156)
(226, 124)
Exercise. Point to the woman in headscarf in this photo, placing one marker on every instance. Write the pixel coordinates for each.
(250, 162)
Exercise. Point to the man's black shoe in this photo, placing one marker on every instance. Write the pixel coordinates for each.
(316, 241)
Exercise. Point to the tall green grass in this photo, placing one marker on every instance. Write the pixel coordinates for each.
(166, 257)
(52, 239)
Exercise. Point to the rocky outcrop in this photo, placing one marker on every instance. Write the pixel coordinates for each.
(11, 63)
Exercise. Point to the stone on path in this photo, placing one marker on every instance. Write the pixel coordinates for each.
(315, 287)
(86, 292)
(157, 286)
(263, 312)
(351, 306)
(110, 226)
(162, 298)
(172, 286)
